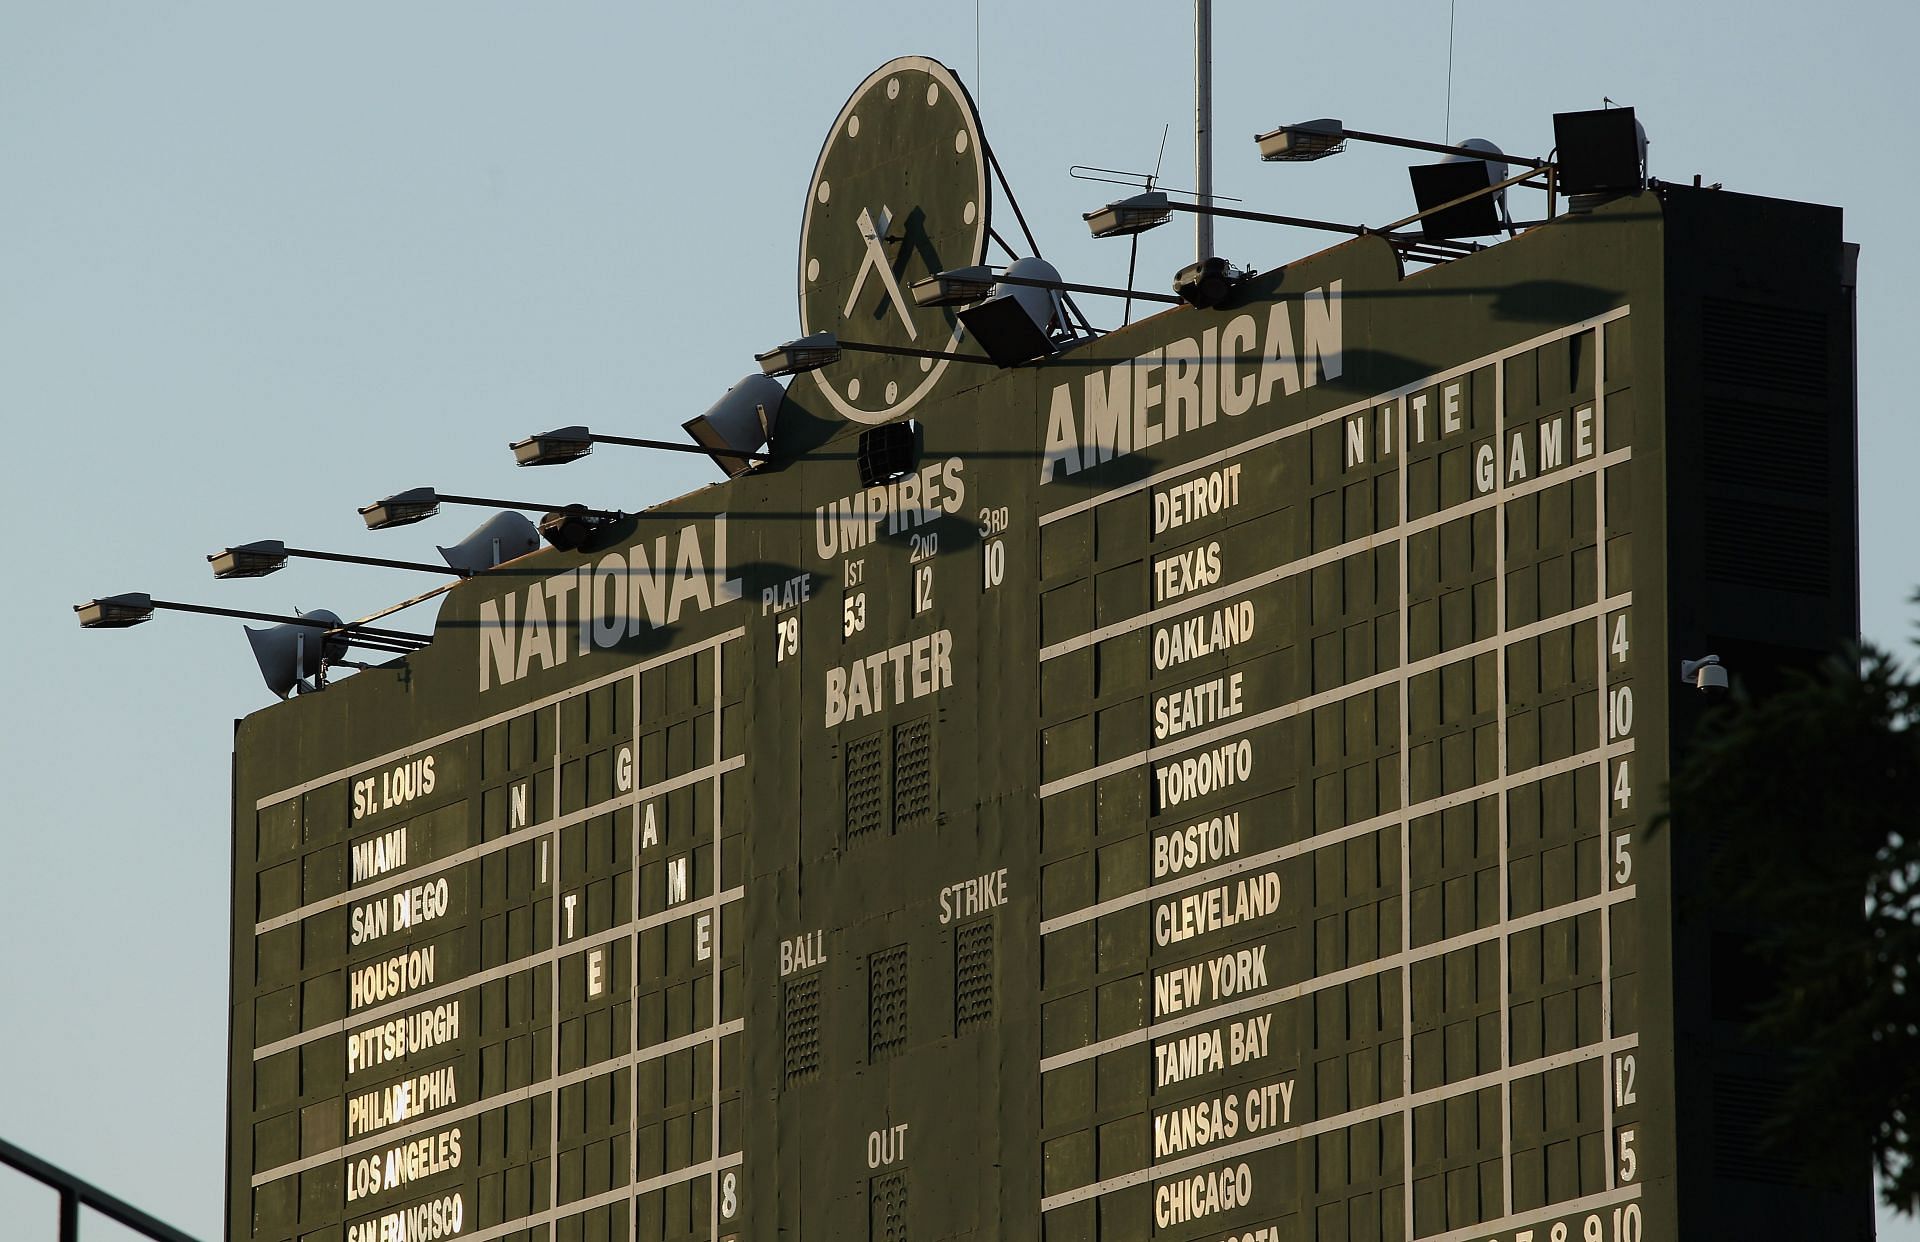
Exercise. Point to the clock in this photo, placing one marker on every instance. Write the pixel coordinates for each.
(899, 193)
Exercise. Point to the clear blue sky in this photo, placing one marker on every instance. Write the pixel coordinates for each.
(262, 263)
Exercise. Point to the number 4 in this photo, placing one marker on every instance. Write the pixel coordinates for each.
(1622, 784)
(1620, 644)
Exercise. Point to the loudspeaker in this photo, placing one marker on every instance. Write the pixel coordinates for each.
(888, 452)
(500, 538)
(289, 654)
(741, 420)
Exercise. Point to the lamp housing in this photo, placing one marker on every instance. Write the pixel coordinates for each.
(1127, 216)
(416, 504)
(115, 612)
(249, 560)
(808, 353)
(553, 448)
(961, 286)
(1297, 144)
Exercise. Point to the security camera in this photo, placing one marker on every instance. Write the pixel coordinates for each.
(1706, 675)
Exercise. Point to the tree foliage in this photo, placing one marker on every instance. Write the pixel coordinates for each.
(1821, 783)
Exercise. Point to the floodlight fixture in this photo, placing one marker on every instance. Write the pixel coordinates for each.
(1127, 216)
(553, 448)
(115, 612)
(417, 504)
(1299, 144)
(962, 286)
(266, 556)
(119, 612)
(808, 353)
(567, 444)
(823, 349)
(1208, 283)
(1312, 140)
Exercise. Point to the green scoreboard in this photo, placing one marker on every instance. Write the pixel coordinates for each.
(1208, 789)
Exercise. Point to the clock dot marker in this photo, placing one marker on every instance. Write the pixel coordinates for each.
(960, 141)
(823, 191)
(926, 364)
(970, 212)
(853, 126)
(933, 93)
(813, 268)
(853, 389)
(893, 88)
(893, 391)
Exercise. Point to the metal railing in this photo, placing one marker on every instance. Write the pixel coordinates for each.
(76, 1194)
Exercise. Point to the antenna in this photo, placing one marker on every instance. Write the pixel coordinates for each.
(1202, 126)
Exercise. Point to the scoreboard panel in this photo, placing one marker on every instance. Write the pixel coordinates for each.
(1209, 795)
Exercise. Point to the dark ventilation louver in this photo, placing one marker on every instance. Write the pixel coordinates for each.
(803, 1028)
(866, 786)
(972, 976)
(912, 774)
(1752, 345)
(886, 1002)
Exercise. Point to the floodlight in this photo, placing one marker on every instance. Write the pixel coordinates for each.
(962, 286)
(1309, 140)
(115, 612)
(249, 560)
(1130, 215)
(1603, 151)
(1208, 283)
(553, 448)
(809, 353)
(416, 504)
(266, 556)
(740, 423)
(419, 503)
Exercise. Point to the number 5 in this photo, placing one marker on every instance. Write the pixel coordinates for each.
(1622, 860)
(1629, 1163)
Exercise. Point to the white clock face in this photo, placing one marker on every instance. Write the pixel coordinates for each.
(899, 193)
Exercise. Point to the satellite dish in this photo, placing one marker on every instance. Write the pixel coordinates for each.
(502, 537)
(289, 654)
(1496, 165)
(1042, 305)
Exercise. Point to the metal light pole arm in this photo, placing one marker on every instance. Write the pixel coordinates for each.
(1070, 287)
(381, 561)
(670, 446)
(1438, 148)
(1299, 222)
(485, 502)
(275, 618)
